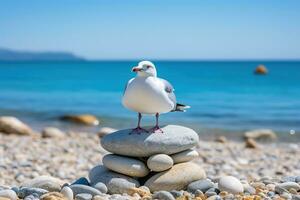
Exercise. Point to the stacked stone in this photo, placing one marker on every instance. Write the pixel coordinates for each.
(160, 161)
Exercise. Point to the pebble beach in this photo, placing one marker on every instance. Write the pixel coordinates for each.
(234, 170)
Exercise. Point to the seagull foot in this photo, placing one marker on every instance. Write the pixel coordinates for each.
(156, 129)
(138, 130)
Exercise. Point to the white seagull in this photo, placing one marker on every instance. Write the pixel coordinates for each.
(148, 94)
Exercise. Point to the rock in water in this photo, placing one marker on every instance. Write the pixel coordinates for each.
(176, 178)
(185, 156)
(12, 125)
(261, 69)
(81, 119)
(52, 132)
(174, 139)
(159, 162)
(230, 184)
(125, 165)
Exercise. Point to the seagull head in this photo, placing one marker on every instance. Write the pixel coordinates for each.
(145, 68)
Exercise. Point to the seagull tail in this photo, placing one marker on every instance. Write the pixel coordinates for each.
(181, 107)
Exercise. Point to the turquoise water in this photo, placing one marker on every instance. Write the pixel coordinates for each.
(223, 95)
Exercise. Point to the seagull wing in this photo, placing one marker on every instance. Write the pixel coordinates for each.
(127, 85)
(168, 88)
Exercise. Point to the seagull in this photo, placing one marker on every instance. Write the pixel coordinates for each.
(148, 94)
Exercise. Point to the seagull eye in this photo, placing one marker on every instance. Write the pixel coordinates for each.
(148, 66)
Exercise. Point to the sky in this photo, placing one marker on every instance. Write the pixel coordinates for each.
(154, 29)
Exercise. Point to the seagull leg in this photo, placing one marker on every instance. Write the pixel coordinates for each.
(156, 128)
(138, 129)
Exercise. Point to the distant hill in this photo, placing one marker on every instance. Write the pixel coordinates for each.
(13, 55)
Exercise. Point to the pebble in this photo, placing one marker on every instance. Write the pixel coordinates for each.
(7, 193)
(164, 195)
(296, 197)
(101, 187)
(249, 189)
(185, 156)
(176, 193)
(214, 197)
(25, 191)
(52, 132)
(12, 125)
(203, 185)
(230, 184)
(159, 162)
(105, 131)
(289, 185)
(175, 139)
(81, 181)
(116, 183)
(78, 189)
(85, 119)
(297, 179)
(48, 183)
(125, 165)
(83, 196)
(176, 178)
(67, 192)
(53, 196)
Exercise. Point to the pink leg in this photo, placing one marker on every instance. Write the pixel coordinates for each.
(156, 128)
(138, 129)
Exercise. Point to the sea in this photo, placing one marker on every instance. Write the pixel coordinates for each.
(226, 97)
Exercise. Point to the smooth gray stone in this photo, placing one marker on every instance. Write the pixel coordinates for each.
(289, 185)
(176, 193)
(125, 165)
(163, 195)
(203, 185)
(81, 181)
(10, 194)
(174, 139)
(83, 196)
(48, 183)
(101, 187)
(289, 179)
(78, 189)
(116, 183)
(26, 191)
(297, 179)
(159, 162)
(185, 156)
(248, 188)
(67, 192)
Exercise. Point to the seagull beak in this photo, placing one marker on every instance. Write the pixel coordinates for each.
(136, 69)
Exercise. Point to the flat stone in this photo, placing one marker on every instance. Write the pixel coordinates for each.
(78, 189)
(230, 184)
(174, 139)
(165, 195)
(105, 131)
(12, 125)
(7, 193)
(48, 183)
(67, 192)
(203, 185)
(125, 165)
(185, 156)
(159, 162)
(116, 183)
(176, 178)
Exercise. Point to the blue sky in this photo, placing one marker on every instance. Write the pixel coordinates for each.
(154, 29)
